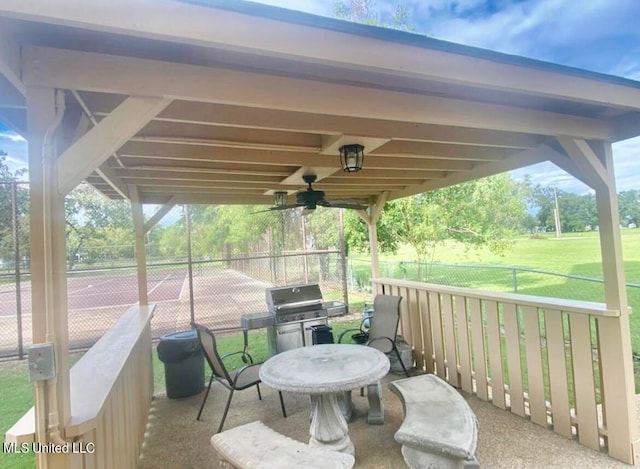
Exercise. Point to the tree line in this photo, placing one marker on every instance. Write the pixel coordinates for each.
(487, 212)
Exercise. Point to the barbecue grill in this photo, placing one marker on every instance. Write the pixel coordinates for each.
(294, 309)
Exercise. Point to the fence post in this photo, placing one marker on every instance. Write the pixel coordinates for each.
(16, 257)
(343, 258)
(187, 219)
(514, 274)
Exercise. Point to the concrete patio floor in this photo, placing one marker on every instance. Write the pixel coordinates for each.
(175, 439)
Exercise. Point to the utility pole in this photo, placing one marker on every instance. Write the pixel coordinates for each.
(556, 213)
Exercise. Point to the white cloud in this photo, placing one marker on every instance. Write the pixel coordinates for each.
(626, 162)
(14, 137)
(594, 35)
(16, 148)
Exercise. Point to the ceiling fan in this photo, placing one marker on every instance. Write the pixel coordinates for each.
(311, 198)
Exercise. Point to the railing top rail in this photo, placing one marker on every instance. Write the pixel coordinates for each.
(89, 387)
(105, 360)
(561, 304)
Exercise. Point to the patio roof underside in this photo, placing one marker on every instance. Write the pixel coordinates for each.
(253, 99)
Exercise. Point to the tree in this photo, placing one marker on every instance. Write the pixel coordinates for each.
(357, 233)
(629, 207)
(323, 228)
(14, 208)
(218, 231)
(485, 212)
(577, 212)
(363, 11)
(98, 228)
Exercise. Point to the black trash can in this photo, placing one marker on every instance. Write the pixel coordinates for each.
(183, 363)
(321, 334)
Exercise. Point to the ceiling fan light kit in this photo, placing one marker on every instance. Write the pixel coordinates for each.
(351, 157)
(310, 199)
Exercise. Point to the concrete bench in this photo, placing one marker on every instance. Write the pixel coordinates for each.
(256, 446)
(439, 428)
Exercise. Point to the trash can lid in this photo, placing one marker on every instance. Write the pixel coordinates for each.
(183, 335)
(176, 347)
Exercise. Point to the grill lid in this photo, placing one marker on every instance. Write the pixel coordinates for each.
(294, 298)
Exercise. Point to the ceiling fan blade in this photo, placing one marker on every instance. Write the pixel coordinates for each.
(349, 206)
(353, 201)
(282, 207)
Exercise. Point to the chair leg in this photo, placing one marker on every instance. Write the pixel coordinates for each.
(258, 388)
(226, 410)
(284, 412)
(395, 349)
(206, 394)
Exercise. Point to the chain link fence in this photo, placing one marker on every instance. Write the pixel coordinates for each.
(14, 268)
(208, 264)
(505, 279)
(211, 264)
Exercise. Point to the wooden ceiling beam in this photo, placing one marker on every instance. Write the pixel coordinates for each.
(439, 150)
(187, 153)
(522, 159)
(207, 198)
(206, 114)
(126, 174)
(205, 166)
(191, 131)
(168, 184)
(90, 71)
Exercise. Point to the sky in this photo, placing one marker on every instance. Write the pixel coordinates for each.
(597, 35)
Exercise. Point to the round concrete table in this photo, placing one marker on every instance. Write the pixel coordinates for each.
(323, 372)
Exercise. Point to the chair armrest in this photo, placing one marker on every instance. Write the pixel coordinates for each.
(348, 330)
(242, 370)
(246, 358)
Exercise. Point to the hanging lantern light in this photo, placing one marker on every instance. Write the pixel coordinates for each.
(351, 157)
(280, 198)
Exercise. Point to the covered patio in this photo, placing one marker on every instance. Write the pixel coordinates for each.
(167, 102)
(505, 440)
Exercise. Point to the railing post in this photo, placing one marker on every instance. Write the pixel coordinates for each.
(619, 404)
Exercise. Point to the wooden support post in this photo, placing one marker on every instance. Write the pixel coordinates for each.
(373, 247)
(371, 219)
(141, 256)
(48, 266)
(619, 401)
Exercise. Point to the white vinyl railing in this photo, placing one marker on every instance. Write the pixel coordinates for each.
(538, 357)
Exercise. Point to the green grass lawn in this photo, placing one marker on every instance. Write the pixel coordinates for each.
(16, 396)
(575, 254)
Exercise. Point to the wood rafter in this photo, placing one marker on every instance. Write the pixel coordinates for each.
(585, 161)
(92, 149)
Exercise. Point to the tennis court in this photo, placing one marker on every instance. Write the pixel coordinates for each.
(96, 299)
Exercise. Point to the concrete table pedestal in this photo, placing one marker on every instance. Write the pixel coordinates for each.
(325, 372)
